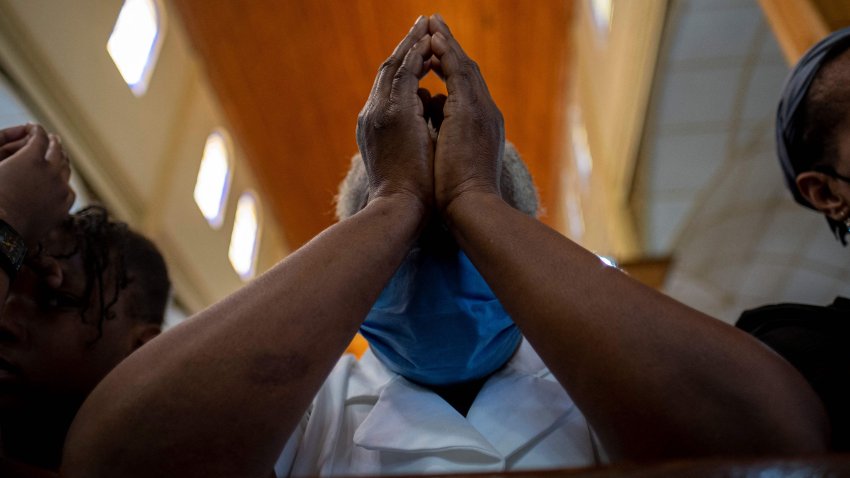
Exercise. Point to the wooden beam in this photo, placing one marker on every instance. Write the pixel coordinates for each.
(797, 24)
(651, 271)
(292, 76)
(836, 13)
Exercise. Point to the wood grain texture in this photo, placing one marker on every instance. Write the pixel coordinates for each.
(291, 77)
(797, 24)
(836, 13)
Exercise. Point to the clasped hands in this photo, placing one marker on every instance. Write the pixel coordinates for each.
(34, 191)
(400, 155)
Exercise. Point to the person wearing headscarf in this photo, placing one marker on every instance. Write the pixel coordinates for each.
(495, 341)
(813, 146)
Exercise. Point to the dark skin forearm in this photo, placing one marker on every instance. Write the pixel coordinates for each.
(655, 378)
(219, 394)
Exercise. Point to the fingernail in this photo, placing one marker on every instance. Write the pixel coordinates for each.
(439, 17)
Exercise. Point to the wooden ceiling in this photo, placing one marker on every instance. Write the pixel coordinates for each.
(292, 76)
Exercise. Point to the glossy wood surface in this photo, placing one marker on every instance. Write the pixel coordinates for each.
(292, 75)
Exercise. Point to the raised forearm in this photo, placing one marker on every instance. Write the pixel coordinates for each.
(655, 378)
(220, 393)
(34, 192)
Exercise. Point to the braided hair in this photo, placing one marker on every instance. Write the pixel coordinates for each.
(118, 261)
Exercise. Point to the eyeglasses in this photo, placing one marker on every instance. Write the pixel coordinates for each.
(832, 173)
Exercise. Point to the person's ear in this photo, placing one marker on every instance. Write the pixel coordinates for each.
(142, 333)
(821, 191)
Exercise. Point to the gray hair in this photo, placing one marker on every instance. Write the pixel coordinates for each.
(516, 186)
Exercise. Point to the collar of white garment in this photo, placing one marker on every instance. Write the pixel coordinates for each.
(515, 406)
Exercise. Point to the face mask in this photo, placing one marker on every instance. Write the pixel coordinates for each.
(437, 322)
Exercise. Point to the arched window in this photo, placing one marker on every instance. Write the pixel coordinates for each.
(245, 238)
(213, 181)
(135, 41)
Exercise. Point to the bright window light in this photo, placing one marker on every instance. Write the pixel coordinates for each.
(213, 180)
(244, 240)
(608, 261)
(133, 44)
(575, 217)
(603, 11)
(581, 147)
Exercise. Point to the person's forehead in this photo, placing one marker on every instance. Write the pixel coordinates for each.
(63, 246)
(837, 73)
(59, 241)
(841, 59)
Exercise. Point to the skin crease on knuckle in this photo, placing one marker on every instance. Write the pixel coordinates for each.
(388, 65)
(379, 122)
(470, 66)
(402, 72)
(362, 124)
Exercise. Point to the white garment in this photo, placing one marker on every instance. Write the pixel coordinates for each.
(366, 420)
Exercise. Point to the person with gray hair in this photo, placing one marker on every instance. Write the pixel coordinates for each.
(515, 185)
(479, 320)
